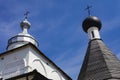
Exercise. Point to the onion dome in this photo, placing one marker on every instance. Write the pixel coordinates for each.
(91, 21)
(25, 23)
(22, 38)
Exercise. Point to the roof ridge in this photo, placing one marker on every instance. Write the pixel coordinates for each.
(104, 57)
(108, 58)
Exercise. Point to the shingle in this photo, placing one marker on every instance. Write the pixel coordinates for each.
(100, 63)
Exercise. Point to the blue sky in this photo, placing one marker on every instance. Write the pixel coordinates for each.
(56, 24)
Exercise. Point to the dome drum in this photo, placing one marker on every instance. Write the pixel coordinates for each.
(20, 40)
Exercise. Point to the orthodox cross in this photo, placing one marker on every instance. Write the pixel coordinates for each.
(26, 14)
(88, 8)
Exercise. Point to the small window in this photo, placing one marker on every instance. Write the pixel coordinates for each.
(92, 34)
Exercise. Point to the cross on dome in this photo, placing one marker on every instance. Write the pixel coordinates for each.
(26, 14)
(88, 8)
(25, 24)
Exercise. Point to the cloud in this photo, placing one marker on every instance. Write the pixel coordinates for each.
(111, 24)
(70, 61)
(8, 29)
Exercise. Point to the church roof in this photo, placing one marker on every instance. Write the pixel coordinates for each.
(99, 63)
(39, 52)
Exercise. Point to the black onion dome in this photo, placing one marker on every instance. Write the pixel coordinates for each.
(91, 21)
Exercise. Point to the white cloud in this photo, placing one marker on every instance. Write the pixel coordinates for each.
(8, 29)
(71, 62)
(110, 24)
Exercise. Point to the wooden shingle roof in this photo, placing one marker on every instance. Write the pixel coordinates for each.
(99, 63)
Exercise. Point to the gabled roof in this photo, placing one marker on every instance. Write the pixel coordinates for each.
(99, 63)
(39, 52)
